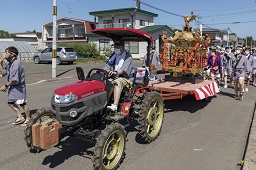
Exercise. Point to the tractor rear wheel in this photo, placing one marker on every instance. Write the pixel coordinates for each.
(39, 117)
(151, 116)
(110, 147)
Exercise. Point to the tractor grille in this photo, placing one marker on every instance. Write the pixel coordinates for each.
(67, 108)
(68, 118)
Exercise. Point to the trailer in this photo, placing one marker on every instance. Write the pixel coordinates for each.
(177, 90)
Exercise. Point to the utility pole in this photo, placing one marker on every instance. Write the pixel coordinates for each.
(200, 25)
(54, 38)
(228, 37)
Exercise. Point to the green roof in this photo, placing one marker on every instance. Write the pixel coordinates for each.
(90, 34)
(155, 28)
(122, 10)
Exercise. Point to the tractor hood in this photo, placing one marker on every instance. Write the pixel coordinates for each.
(81, 88)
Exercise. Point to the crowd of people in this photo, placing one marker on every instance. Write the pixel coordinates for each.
(236, 65)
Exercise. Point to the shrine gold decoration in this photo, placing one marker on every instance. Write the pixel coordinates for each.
(187, 50)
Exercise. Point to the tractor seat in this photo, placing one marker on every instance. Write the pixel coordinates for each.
(140, 76)
(96, 76)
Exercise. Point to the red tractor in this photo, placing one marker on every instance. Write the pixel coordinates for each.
(80, 109)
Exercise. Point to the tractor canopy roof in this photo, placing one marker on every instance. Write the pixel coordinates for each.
(124, 34)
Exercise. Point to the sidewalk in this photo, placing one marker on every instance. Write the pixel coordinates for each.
(250, 157)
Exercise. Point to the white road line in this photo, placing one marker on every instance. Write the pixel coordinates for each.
(41, 81)
(49, 80)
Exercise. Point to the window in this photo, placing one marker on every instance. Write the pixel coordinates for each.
(142, 22)
(65, 32)
(59, 49)
(107, 21)
(47, 50)
(132, 47)
(80, 31)
(69, 50)
(124, 20)
(104, 44)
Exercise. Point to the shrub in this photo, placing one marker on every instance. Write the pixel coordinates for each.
(86, 50)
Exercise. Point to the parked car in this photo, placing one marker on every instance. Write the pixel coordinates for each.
(64, 54)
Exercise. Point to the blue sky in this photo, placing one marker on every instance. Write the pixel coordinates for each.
(27, 15)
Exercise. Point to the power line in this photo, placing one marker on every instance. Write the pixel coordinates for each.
(236, 22)
(209, 27)
(231, 9)
(221, 15)
(178, 15)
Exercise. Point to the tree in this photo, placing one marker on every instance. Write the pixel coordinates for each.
(248, 41)
(4, 33)
(34, 31)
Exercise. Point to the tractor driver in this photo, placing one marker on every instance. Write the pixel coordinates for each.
(119, 67)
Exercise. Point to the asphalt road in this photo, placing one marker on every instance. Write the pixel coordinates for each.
(196, 135)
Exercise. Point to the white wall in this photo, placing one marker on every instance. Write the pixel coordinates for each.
(142, 45)
(149, 21)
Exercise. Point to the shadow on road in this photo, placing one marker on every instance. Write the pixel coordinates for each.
(231, 95)
(187, 103)
(64, 72)
(70, 147)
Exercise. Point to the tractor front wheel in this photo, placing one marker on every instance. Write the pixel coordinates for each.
(151, 116)
(110, 147)
(39, 117)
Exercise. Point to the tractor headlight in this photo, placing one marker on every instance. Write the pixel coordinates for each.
(73, 113)
(68, 98)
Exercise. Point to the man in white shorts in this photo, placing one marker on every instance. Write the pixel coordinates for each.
(239, 67)
(250, 64)
(16, 85)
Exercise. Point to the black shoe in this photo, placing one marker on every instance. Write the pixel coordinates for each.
(237, 97)
(241, 97)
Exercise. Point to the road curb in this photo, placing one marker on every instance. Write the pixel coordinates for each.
(250, 150)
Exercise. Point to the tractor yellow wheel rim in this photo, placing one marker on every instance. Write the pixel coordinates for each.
(113, 149)
(154, 117)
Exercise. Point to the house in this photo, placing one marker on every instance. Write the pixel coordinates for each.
(128, 18)
(234, 40)
(68, 30)
(218, 37)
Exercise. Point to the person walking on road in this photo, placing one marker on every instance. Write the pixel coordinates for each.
(254, 70)
(215, 65)
(250, 64)
(227, 59)
(239, 67)
(15, 86)
(155, 61)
